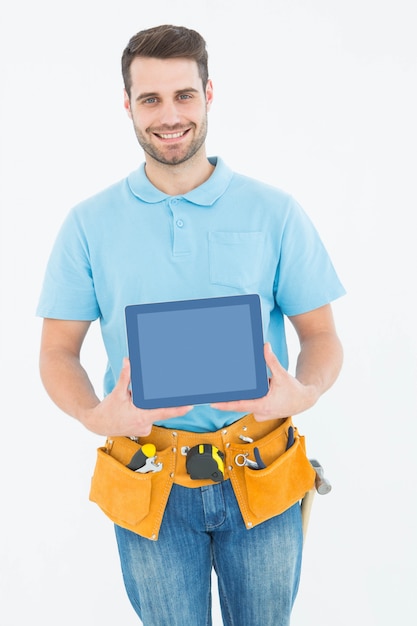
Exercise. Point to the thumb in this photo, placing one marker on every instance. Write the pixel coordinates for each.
(124, 378)
(272, 361)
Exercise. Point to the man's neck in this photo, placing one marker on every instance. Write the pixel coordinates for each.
(176, 180)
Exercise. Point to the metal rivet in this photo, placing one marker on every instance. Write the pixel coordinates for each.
(227, 445)
(153, 537)
(225, 432)
(172, 475)
(174, 434)
(230, 468)
(249, 524)
(245, 428)
(174, 449)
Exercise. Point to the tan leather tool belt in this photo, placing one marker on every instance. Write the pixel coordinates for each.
(137, 501)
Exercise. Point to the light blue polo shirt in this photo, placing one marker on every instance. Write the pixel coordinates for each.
(134, 244)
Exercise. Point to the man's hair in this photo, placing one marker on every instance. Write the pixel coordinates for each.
(166, 42)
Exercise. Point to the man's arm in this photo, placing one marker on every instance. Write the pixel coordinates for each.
(318, 365)
(70, 388)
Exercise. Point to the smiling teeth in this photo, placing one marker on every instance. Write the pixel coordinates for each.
(172, 135)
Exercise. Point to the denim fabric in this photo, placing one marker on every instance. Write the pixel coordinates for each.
(169, 581)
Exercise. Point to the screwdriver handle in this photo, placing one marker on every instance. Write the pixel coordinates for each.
(138, 460)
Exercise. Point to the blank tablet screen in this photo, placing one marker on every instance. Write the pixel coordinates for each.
(196, 351)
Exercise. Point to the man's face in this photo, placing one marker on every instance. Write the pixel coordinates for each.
(168, 108)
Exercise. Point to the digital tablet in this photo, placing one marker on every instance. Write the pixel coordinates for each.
(196, 351)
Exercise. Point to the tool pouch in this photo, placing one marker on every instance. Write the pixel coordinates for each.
(137, 501)
(288, 475)
(130, 499)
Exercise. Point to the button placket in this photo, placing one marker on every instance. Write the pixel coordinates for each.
(181, 242)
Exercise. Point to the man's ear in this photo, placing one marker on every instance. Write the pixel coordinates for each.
(126, 103)
(209, 94)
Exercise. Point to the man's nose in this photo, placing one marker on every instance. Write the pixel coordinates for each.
(169, 114)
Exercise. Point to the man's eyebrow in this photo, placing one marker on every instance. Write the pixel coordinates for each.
(149, 94)
(154, 94)
(187, 90)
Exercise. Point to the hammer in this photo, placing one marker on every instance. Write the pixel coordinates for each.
(322, 484)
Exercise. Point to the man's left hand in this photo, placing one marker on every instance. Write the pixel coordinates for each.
(287, 396)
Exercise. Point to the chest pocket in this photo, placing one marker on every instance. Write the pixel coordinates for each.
(235, 258)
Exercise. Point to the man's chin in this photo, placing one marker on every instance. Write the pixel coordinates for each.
(174, 160)
(171, 157)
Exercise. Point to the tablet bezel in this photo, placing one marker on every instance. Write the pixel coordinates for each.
(132, 329)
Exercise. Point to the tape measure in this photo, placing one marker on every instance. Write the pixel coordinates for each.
(205, 461)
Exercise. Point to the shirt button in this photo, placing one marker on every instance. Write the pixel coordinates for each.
(180, 223)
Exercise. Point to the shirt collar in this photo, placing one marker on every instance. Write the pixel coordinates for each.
(204, 195)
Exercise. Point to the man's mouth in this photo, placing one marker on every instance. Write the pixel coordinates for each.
(176, 135)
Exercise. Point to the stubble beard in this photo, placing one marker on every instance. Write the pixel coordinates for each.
(162, 155)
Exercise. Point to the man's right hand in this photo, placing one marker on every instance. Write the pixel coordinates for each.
(116, 415)
(70, 388)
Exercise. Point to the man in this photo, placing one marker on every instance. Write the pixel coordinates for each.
(185, 226)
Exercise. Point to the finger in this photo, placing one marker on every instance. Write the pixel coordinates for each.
(239, 406)
(272, 361)
(164, 414)
(124, 378)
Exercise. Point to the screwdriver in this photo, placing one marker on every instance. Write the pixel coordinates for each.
(138, 460)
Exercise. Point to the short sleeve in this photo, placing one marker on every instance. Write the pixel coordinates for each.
(306, 278)
(68, 288)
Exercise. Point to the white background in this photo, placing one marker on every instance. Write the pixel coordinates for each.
(316, 97)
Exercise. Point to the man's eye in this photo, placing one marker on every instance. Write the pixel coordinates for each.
(150, 101)
(184, 96)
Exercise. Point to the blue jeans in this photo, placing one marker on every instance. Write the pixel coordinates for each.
(169, 581)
